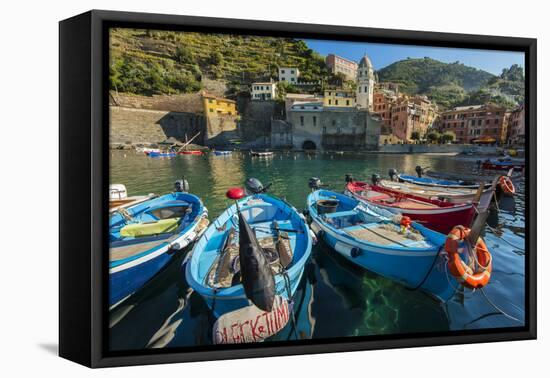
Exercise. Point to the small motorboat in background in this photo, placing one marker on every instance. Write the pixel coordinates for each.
(190, 152)
(502, 165)
(146, 150)
(261, 153)
(155, 154)
(222, 153)
(144, 237)
(435, 214)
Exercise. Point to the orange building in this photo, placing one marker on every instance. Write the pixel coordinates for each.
(409, 115)
(382, 104)
(476, 123)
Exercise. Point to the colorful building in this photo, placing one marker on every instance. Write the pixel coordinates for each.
(263, 91)
(383, 101)
(289, 74)
(338, 65)
(410, 115)
(221, 119)
(516, 125)
(476, 123)
(339, 98)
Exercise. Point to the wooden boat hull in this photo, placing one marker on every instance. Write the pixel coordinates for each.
(161, 154)
(434, 214)
(190, 153)
(222, 153)
(478, 177)
(440, 183)
(498, 166)
(453, 195)
(259, 211)
(133, 261)
(261, 154)
(414, 267)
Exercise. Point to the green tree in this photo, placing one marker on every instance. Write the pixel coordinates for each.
(433, 136)
(447, 137)
(415, 135)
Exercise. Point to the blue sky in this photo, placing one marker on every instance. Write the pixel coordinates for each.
(382, 55)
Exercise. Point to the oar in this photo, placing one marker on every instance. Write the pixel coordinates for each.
(278, 229)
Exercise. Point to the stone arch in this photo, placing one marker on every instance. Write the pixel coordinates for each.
(309, 145)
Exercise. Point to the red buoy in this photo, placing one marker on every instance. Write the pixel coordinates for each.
(405, 221)
(235, 193)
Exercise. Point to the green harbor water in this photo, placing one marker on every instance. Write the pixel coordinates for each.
(335, 298)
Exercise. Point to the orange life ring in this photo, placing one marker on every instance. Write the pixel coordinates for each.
(507, 185)
(458, 268)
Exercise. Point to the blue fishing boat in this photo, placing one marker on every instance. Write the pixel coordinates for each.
(155, 154)
(216, 269)
(381, 242)
(144, 237)
(222, 153)
(431, 181)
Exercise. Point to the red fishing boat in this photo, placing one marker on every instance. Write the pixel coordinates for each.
(435, 214)
(194, 152)
(504, 165)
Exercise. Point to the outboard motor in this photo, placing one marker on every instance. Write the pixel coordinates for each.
(392, 173)
(254, 186)
(181, 186)
(419, 170)
(375, 178)
(349, 178)
(478, 165)
(315, 183)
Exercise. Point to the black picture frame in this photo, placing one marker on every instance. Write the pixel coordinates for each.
(83, 182)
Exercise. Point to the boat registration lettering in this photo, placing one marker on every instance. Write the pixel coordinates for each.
(250, 324)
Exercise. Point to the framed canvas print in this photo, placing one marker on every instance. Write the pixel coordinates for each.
(234, 188)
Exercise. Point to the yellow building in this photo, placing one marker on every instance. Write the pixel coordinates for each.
(339, 98)
(218, 106)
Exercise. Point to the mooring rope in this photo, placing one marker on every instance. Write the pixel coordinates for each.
(498, 308)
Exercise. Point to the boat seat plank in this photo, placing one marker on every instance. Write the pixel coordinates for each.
(384, 234)
(408, 204)
(340, 214)
(124, 252)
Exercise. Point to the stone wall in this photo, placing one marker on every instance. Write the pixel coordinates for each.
(184, 103)
(129, 125)
(281, 134)
(256, 116)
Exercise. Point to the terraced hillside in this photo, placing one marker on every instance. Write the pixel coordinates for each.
(154, 62)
